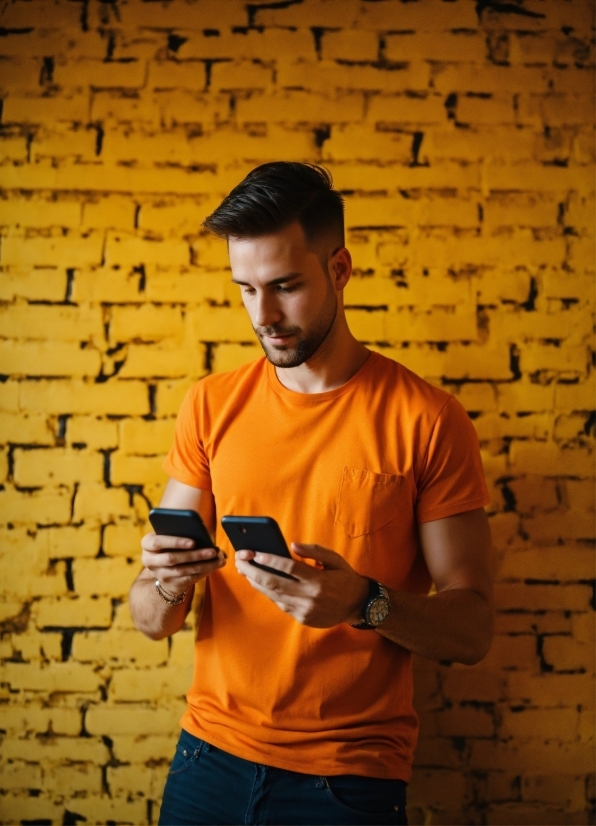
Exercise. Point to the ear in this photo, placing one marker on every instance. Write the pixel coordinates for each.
(340, 268)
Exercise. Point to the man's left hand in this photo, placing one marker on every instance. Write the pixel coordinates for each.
(319, 596)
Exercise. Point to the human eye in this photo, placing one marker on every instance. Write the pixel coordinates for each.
(291, 289)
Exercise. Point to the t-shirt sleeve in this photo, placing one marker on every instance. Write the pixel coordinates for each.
(452, 478)
(187, 460)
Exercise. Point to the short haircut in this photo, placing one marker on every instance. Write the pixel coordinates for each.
(275, 195)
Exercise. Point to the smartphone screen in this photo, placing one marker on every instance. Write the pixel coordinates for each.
(186, 523)
(257, 533)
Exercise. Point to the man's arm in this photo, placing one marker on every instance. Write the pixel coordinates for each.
(171, 560)
(456, 623)
(453, 624)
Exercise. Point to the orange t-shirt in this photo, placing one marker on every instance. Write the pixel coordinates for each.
(353, 469)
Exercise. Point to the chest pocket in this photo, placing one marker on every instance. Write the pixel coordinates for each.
(367, 501)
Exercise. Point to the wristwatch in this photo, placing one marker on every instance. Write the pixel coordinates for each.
(376, 608)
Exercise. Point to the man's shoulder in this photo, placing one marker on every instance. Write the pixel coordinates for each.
(222, 384)
(408, 387)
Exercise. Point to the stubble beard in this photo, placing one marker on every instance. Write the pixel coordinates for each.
(285, 355)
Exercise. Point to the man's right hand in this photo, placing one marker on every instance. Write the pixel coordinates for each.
(176, 564)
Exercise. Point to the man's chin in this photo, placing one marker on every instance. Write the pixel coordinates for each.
(281, 355)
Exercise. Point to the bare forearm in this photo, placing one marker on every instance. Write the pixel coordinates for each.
(455, 625)
(153, 616)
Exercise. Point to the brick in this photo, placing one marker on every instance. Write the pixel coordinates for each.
(551, 622)
(175, 107)
(135, 470)
(417, 16)
(209, 14)
(165, 684)
(104, 577)
(164, 360)
(241, 75)
(255, 44)
(143, 748)
(130, 719)
(34, 468)
(100, 74)
(75, 778)
(168, 214)
(549, 563)
(92, 432)
(115, 397)
(510, 652)
(96, 503)
(13, 149)
(171, 393)
(327, 76)
(111, 212)
(565, 654)
(208, 323)
(392, 111)
(529, 758)
(507, 813)
(576, 396)
(67, 251)
(111, 106)
(69, 541)
(47, 359)
(542, 596)
(566, 790)
(118, 647)
(353, 141)
(9, 396)
(561, 526)
(548, 459)
(350, 45)
(105, 809)
(465, 722)
(145, 323)
(583, 627)
(47, 109)
(129, 251)
(26, 429)
(525, 396)
(187, 288)
(19, 807)
(26, 508)
(108, 285)
(63, 677)
(146, 437)
(87, 749)
(550, 689)
(230, 356)
(35, 285)
(299, 105)
(559, 723)
(84, 612)
(54, 323)
(437, 787)
(39, 212)
(472, 685)
(122, 540)
(21, 775)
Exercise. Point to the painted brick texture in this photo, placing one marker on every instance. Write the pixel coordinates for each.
(462, 137)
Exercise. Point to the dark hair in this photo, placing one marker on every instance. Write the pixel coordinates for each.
(275, 195)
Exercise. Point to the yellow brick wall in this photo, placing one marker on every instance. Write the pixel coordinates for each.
(461, 135)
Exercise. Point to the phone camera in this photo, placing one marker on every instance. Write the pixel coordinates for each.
(242, 528)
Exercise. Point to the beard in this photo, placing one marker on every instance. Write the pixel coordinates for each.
(307, 343)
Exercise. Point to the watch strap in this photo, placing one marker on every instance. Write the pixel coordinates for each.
(375, 589)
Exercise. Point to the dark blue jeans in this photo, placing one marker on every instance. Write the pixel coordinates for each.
(206, 785)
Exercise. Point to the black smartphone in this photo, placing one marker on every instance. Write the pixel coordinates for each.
(186, 523)
(257, 533)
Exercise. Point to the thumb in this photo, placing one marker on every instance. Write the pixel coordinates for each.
(327, 557)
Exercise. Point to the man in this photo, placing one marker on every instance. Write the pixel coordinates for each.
(301, 705)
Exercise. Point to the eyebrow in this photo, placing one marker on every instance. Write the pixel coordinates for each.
(283, 279)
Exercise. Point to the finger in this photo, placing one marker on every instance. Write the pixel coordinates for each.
(171, 557)
(245, 554)
(283, 565)
(327, 557)
(189, 572)
(264, 579)
(156, 542)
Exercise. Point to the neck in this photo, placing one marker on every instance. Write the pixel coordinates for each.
(338, 358)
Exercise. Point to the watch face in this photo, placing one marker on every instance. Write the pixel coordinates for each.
(377, 611)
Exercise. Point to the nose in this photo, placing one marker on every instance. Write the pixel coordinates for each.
(266, 311)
